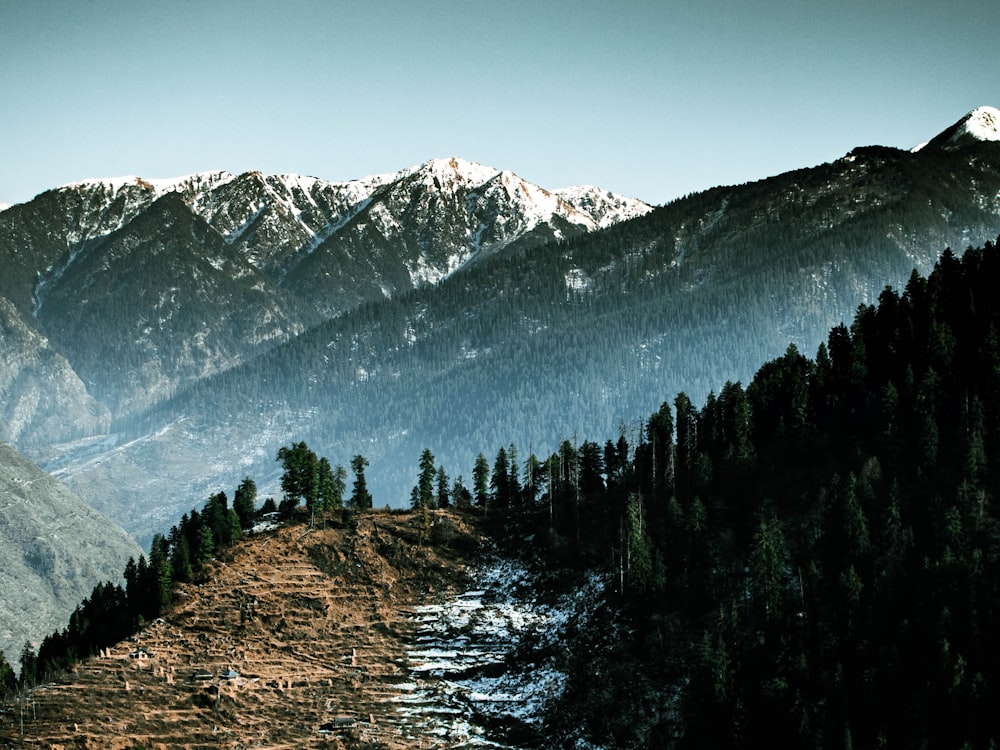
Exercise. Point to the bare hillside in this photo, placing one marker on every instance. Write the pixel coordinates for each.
(298, 640)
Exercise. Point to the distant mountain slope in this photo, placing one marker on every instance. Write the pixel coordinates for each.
(537, 344)
(53, 550)
(40, 394)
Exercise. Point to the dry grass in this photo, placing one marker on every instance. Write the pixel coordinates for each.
(316, 624)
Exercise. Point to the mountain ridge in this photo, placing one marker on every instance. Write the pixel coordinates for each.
(270, 241)
(416, 331)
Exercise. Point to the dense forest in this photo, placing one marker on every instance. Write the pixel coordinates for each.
(812, 560)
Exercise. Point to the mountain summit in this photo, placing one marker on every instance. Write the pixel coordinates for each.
(982, 124)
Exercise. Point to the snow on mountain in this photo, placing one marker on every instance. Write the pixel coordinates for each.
(193, 184)
(981, 124)
(277, 220)
(605, 207)
(5, 206)
(441, 172)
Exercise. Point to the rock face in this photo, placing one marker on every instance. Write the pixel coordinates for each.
(53, 550)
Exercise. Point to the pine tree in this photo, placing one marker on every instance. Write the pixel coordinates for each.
(332, 484)
(300, 479)
(245, 501)
(443, 489)
(8, 680)
(480, 481)
(423, 494)
(29, 666)
(500, 480)
(514, 491)
(361, 499)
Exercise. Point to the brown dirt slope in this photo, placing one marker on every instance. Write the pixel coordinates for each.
(314, 621)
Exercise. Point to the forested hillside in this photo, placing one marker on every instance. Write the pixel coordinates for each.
(812, 560)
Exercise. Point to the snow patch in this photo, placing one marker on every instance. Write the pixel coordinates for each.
(470, 651)
(577, 280)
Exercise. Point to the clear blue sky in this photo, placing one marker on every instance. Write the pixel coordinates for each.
(650, 99)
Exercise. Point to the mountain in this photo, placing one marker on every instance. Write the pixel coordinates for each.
(764, 570)
(980, 125)
(428, 222)
(448, 306)
(578, 336)
(194, 275)
(53, 550)
(40, 392)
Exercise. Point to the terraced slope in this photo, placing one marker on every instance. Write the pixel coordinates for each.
(299, 640)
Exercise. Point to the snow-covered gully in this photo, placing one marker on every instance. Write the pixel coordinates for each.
(482, 667)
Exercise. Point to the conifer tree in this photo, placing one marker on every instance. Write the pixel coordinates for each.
(361, 499)
(480, 481)
(443, 489)
(244, 502)
(332, 484)
(8, 680)
(500, 480)
(423, 494)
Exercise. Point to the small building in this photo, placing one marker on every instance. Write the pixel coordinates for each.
(338, 724)
(229, 674)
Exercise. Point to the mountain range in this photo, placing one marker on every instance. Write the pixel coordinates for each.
(166, 337)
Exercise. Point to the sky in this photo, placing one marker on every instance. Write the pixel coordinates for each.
(651, 99)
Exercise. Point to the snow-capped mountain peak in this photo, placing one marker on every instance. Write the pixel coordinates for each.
(157, 187)
(450, 169)
(425, 221)
(979, 125)
(984, 124)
